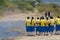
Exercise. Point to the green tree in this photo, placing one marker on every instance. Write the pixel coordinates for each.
(25, 6)
(39, 1)
(1, 2)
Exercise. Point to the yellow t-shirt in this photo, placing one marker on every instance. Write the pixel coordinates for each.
(42, 22)
(28, 22)
(51, 21)
(37, 22)
(33, 22)
(47, 22)
(58, 21)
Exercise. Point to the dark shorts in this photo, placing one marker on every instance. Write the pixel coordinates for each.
(46, 28)
(30, 28)
(57, 27)
(51, 28)
(38, 28)
(42, 29)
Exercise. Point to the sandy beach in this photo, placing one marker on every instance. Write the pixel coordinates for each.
(23, 17)
(29, 20)
(54, 37)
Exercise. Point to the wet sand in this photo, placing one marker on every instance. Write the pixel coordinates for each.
(54, 37)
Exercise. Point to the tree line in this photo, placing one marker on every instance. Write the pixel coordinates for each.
(29, 5)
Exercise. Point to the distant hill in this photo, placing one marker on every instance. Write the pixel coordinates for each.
(10, 6)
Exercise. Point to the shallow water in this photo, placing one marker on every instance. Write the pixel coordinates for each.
(5, 26)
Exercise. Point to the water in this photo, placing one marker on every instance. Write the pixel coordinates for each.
(5, 26)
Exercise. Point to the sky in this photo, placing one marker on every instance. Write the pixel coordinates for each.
(52, 1)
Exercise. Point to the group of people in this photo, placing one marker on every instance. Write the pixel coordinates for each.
(42, 25)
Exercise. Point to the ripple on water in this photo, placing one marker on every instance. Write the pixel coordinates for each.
(9, 34)
(8, 25)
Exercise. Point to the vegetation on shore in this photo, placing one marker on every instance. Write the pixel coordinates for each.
(28, 5)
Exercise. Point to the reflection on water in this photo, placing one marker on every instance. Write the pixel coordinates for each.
(6, 26)
(9, 34)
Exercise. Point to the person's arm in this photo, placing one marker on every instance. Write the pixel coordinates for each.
(31, 22)
(44, 22)
(49, 24)
(34, 22)
(39, 23)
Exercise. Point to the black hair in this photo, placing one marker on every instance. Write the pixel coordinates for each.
(51, 17)
(32, 17)
(47, 18)
(37, 17)
(42, 17)
(58, 17)
(28, 17)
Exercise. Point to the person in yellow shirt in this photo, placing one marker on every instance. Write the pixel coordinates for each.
(37, 25)
(51, 25)
(28, 24)
(32, 24)
(47, 22)
(42, 23)
(57, 23)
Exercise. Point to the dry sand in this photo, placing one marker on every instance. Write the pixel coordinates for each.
(19, 16)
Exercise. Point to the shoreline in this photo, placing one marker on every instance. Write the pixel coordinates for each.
(21, 16)
(54, 37)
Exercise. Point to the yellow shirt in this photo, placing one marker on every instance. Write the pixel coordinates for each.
(28, 22)
(33, 22)
(51, 21)
(47, 22)
(42, 22)
(37, 22)
(58, 21)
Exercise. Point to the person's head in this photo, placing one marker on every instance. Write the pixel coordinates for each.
(28, 17)
(48, 11)
(51, 17)
(42, 17)
(37, 17)
(47, 18)
(32, 18)
(58, 17)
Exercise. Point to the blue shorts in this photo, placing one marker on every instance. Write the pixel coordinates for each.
(51, 28)
(38, 28)
(42, 28)
(46, 28)
(30, 28)
(57, 27)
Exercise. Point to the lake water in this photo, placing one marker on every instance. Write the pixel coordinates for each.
(5, 26)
